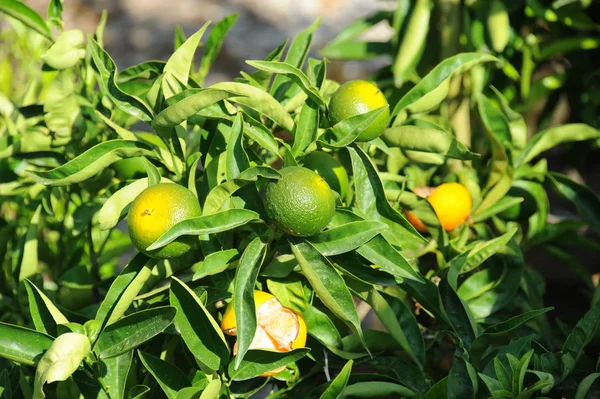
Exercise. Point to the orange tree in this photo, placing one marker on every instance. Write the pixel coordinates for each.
(451, 313)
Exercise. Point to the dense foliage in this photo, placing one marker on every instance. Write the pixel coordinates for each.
(389, 311)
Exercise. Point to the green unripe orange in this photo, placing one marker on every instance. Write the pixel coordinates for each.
(301, 203)
(358, 97)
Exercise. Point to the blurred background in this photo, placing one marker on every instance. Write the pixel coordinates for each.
(140, 30)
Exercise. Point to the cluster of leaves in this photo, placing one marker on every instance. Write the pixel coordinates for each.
(462, 315)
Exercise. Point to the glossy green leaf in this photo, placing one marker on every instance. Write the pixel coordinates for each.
(22, 345)
(503, 204)
(483, 250)
(306, 129)
(257, 362)
(217, 197)
(179, 64)
(356, 50)
(321, 327)
(212, 390)
(346, 237)
(335, 389)
(402, 371)
(125, 288)
(213, 45)
(433, 141)
(116, 207)
(209, 224)
(170, 378)
(433, 88)
(327, 283)
(92, 162)
(585, 200)
(28, 261)
(377, 389)
(413, 42)
(501, 333)
(295, 74)
(60, 361)
(346, 131)
(215, 263)
(372, 203)
(289, 292)
(583, 333)
(133, 330)
(26, 15)
(198, 328)
(44, 313)
(236, 160)
(243, 296)
(462, 380)
(458, 314)
(549, 138)
(108, 75)
(585, 385)
(185, 105)
(66, 51)
(143, 70)
(258, 100)
(117, 369)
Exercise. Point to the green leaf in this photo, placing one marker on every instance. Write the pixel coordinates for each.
(346, 237)
(259, 100)
(116, 207)
(458, 314)
(413, 41)
(501, 333)
(28, 259)
(583, 333)
(60, 361)
(27, 16)
(503, 204)
(433, 88)
(377, 389)
(462, 380)
(549, 138)
(170, 378)
(335, 389)
(215, 263)
(306, 128)
(295, 74)
(212, 390)
(482, 251)
(213, 45)
(243, 296)
(356, 50)
(585, 385)
(346, 131)
(218, 196)
(117, 369)
(66, 51)
(108, 75)
(177, 69)
(585, 200)
(372, 203)
(327, 283)
(143, 70)
(199, 330)
(185, 105)
(402, 371)
(257, 362)
(209, 224)
(564, 45)
(92, 162)
(289, 292)
(321, 327)
(133, 330)
(237, 159)
(427, 140)
(296, 55)
(398, 320)
(44, 314)
(22, 345)
(125, 288)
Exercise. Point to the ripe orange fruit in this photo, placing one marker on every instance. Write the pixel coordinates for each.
(300, 203)
(156, 210)
(452, 204)
(278, 328)
(329, 169)
(359, 97)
